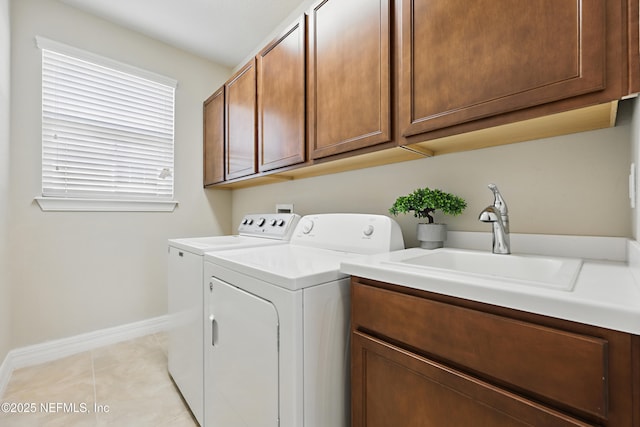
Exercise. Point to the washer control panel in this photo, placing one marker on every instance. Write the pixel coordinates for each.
(276, 226)
(355, 233)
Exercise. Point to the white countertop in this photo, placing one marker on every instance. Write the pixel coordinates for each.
(605, 294)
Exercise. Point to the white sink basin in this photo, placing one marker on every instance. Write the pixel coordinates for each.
(548, 272)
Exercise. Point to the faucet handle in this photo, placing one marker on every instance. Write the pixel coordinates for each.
(498, 201)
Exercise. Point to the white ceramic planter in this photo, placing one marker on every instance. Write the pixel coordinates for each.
(431, 236)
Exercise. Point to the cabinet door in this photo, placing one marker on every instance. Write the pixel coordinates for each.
(214, 138)
(240, 93)
(349, 76)
(393, 387)
(465, 60)
(281, 100)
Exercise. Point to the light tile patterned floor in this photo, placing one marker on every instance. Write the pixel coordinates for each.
(122, 385)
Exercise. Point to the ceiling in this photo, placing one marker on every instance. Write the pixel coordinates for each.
(224, 31)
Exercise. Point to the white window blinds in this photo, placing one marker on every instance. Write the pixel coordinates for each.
(107, 133)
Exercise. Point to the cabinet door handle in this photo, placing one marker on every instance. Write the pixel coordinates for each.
(212, 319)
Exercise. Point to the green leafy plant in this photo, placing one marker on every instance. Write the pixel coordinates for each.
(425, 201)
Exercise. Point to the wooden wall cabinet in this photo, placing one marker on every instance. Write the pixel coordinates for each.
(465, 61)
(213, 113)
(282, 100)
(414, 78)
(349, 76)
(427, 359)
(240, 129)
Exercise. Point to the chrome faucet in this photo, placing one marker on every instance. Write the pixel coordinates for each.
(498, 215)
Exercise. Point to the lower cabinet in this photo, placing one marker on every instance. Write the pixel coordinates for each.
(423, 359)
(395, 387)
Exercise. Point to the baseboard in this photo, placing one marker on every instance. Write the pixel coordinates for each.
(57, 349)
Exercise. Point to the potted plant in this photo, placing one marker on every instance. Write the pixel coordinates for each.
(424, 202)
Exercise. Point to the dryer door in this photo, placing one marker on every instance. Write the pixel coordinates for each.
(241, 367)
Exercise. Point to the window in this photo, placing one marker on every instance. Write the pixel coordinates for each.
(107, 133)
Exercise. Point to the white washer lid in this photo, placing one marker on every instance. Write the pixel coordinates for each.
(200, 245)
(288, 266)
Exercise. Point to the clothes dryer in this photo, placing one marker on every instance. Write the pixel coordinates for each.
(277, 352)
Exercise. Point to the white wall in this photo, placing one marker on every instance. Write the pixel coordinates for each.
(574, 184)
(5, 295)
(78, 272)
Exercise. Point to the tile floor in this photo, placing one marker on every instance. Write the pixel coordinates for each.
(122, 385)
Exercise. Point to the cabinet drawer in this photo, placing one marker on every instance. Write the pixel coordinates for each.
(392, 386)
(560, 367)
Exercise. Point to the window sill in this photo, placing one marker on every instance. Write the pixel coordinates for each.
(104, 205)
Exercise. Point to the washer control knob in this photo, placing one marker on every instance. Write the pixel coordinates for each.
(249, 221)
(280, 222)
(368, 230)
(245, 221)
(261, 222)
(273, 222)
(307, 226)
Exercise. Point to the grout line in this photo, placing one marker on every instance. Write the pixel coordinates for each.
(95, 394)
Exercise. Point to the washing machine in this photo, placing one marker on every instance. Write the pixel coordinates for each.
(277, 324)
(186, 295)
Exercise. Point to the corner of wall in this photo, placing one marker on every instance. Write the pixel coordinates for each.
(5, 84)
(635, 158)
